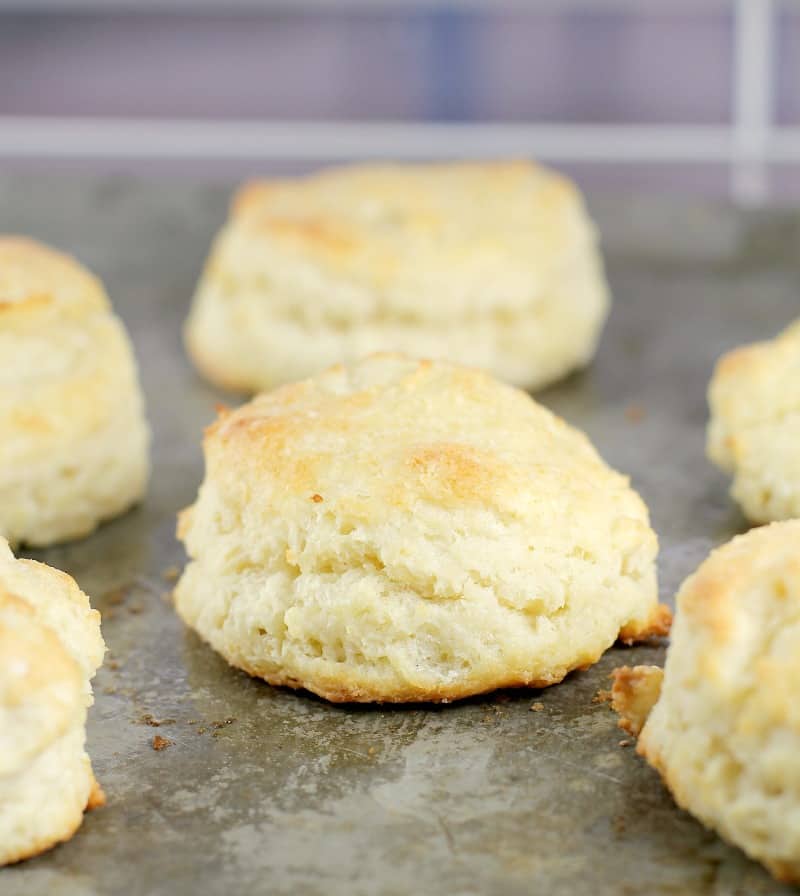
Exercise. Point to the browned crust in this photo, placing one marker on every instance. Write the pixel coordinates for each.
(657, 626)
(319, 234)
(52, 269)
(336, 692)
(785, 872)
(356, 694)
(740, 360)
(254, 195)
(31, 301)
(250, 196)
(633, 695)
(97, 796)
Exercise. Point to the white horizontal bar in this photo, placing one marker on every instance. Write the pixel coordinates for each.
(304, 140)
(784, 145)
(154, 139)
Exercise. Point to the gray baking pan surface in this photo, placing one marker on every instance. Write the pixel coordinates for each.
(267, 791)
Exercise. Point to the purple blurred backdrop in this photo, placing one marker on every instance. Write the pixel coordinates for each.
(570, 65)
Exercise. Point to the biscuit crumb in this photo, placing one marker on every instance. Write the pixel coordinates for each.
(148, 719)
(635, 413)
(635, 692)
(371, 751)
(317, 499)
(624, 743)
(537, 707)
(160, 743)
(117, 595)
(223, 724)
(602, 696)
(97, 798)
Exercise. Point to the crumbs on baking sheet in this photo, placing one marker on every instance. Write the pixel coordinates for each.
(218, 726)
(635, 413)
(148, 719)
(223, 724)
(171, 574)
(117, 595)
(537, 707)
(159, 743)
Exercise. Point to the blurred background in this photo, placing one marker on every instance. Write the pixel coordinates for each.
(694, 96)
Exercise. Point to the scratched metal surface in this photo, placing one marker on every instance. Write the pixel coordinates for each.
(298, 797)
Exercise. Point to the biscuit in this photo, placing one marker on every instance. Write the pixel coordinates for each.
(723, 725)
(755, 425)
(492, 265)
(73, 440)
(50, 647)
(400, 530)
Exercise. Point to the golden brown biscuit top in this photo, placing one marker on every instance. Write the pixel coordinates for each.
(391, 433)
(743, 607)
(66, 361)
(385, 223)
(57, 604)
(41, 686)
(50, 646)
(755, 383)
(34, 277)
(749, 360)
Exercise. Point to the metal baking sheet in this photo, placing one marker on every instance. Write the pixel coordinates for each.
(298, 797)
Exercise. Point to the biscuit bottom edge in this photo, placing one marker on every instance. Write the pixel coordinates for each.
(363, 692)
(58, 821)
